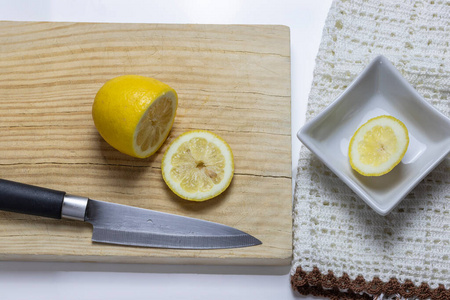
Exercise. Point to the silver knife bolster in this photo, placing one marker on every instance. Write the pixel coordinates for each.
(74, 207)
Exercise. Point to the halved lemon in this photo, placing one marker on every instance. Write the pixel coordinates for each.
(378, 146)
(134, 114)
(198, 165)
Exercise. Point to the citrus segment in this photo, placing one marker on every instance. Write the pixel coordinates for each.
(134, 114)
(378, 146)
(198, 165)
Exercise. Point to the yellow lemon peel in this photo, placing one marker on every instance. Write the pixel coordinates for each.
(134, 114)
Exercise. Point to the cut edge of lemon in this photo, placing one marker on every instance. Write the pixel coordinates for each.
(155, 124)
(217, 189)
(399, 130)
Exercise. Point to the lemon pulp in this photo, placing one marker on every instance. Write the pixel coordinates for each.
(378, 146)
(198, 165)
(154, 126)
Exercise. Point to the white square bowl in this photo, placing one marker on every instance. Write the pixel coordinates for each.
(379, 90)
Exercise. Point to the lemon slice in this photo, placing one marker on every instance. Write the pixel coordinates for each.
(198, 165)
(378, 146)
(134, 114)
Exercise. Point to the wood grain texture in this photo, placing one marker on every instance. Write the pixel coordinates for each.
(232, 80)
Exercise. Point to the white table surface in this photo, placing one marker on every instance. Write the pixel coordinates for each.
(84, 281)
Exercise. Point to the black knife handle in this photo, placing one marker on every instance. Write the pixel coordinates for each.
(29, 199)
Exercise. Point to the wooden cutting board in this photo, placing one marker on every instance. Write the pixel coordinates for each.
(232, 80)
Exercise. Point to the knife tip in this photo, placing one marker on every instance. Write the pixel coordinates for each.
(255, 241)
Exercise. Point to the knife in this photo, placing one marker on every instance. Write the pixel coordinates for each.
(121, 224)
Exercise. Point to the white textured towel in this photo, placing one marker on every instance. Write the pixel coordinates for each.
(340, 243)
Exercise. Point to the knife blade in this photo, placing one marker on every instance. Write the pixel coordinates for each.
(120, 224)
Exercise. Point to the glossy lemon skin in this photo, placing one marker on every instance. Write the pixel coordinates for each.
(119, 106)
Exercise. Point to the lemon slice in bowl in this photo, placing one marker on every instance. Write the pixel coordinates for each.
(378, 146)
(198, 165)
(134, 114)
